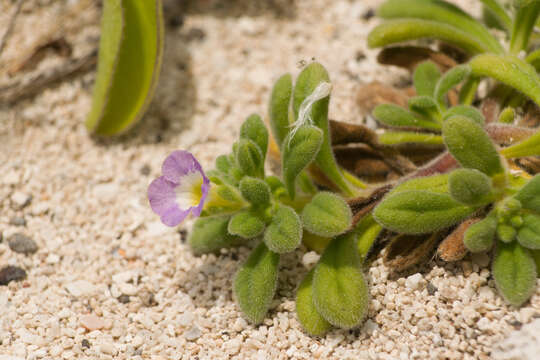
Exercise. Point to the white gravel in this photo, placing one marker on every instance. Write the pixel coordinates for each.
(98, 238)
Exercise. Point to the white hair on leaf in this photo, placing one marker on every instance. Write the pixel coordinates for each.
(304, 112)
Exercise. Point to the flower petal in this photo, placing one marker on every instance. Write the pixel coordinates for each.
(161, 195)
(178, 164)
(205, 189)
(174, 216)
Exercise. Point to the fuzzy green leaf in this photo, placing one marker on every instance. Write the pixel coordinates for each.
(425, 78)
(506, 233)
(308, 80)
(250, 158)
(256, 191)
(449, 80)
(284, 234)
(246, 224)
(425, 106)
(223, 164)
(279, 108)
(443, 13)
(469, 186)
(529, 233)
(298, 152)
(255, 283)
(528, 147)
(514, 272)
(396, 116)
(255, 130)
(435, 183)
(511, 71)
(131, 48)
(309, 317)
(368, 230)
(340, 292)
(327, 215)
(524, 22)
(408, 137)
(507, 115)
(419, 212)
(209, 234)
(467, 111)
(396, 31)
(496, 10)
(471, 146)
(536, 256)
(529, 195)
(481, 235)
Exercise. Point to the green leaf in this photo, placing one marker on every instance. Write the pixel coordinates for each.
(246, 224)
(131, 48)
(529, 195)
(256, 191)
(514, 272)
(524, 21)
(497, 10)
(396, 31)
(279, 108)
(284, 234)
(419, 212)
(396, 116)
(425, 106)
(443, 13)
(480, 236)
(367, 230)
(425, 78)
(255, 283)
(209, 234)
(507, 115)
(469, 186)
(327, 215)
(298, 152)
(449, 80)
(471, 146)
(506, 233)
(250, 158)
(308, 80)
(223, 164)
(435, 183)
(408, 137)
(340, 292)
(467, 111)
(528, 147)
(536, 256)
(254, 129)
(529, 233)
(511, 71)
(309, 317)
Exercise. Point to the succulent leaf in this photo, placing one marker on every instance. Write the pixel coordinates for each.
(284, 234)
(307, 313)
(327, 215)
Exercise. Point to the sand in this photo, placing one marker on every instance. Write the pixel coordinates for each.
(109, 281)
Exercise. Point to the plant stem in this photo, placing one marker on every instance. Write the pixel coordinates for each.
(523, 25)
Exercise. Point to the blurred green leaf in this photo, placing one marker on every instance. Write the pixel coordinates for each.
(279, 108)
(529, 195)
(396, 116)
(250, 158)
(529, 233)
(528, 147)
(467, 111)
(449, 80)
(481, 235)
(209, 234)
(435, 183)
(254, 129)
(425, 78)
(498, 11)
(131, 48)
(256, 191)
(309, 317)
(470, 186)
(406, 137)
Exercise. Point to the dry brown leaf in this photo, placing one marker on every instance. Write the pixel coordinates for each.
(409, 57)
(405, 251)
(452, 247)
(346, 133)
(376, 93)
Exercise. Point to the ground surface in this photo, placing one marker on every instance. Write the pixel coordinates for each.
(109, 281)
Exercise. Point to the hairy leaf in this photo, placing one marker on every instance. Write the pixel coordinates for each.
(481, 235)
(435, 183)
(284, 234)
(506, 233)
(514, 272)
(255, 130)
(210, 234)
(471, 146)
(298, 152)
(393, 115)
(467, 111)
(279, 108)
(498, 11)
(529, 195)
(309, 317)
(396, 31)
(419, 212)
(511, 71)
(529, 233)
(256, 191)
(327, 215)
(469, 186)
(250, 158)
(425, 78)
(408, 137)
(255, 283)
(340, 292)
(449, 80)
(131, 48)
(524, 22)
(425, 105)
(368, 230)
(246, 224)
(528, 147)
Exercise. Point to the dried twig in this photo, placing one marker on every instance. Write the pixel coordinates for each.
(24, 87)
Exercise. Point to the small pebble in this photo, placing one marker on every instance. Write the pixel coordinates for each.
(22, 244)
(145, 170)
(414, 282)
(123, 299)
(186, 319)
(11, 273)
(20, 199)
(193, 333)
(85, 343)
(147, 298)
(431, 289)
(18, 221)
(80, 288)
(92, 322)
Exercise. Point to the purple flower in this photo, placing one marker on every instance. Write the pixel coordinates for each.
(181, 189)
